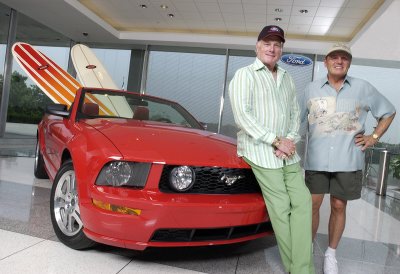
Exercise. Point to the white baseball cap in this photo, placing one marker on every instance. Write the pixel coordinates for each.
(339, 47)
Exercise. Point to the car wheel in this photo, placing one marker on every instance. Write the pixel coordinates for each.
(64, 209)
(39, 171)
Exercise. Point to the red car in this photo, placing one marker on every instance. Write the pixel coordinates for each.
(150, 177)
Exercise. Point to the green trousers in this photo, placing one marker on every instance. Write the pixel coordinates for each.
(289, 206)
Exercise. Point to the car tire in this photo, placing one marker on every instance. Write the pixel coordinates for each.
(38, 170)
(64, 209)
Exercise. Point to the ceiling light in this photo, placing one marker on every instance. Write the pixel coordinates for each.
(143, 6)
(164, 7)
(171, 15)
(303, 11)
(278, 10)
(277, 19)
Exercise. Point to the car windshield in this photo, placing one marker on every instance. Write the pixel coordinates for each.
(129, 105)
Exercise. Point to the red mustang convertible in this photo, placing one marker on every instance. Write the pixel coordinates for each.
(138, 171)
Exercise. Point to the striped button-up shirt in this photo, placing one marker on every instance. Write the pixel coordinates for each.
(264, 109)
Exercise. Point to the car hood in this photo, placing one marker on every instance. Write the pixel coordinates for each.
(170, 144)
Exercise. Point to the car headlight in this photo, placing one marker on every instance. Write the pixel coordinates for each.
(121, 173)
(181, 178)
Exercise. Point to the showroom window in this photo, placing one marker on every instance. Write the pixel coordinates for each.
(194, 80)
(228, 126)
(116, 62)
(26, 101)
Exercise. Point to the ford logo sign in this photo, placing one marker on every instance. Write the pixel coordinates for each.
(296, 60)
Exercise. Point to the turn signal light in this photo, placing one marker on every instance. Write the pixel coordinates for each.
(116, 208)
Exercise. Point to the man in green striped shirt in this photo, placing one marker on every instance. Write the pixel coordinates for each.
(265, 108)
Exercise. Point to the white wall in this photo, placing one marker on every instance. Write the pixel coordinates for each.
(381, 38)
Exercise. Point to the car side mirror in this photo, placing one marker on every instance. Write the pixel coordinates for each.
(58, 110)
(204, 125)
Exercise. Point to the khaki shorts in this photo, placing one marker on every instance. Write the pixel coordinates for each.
(342, 185)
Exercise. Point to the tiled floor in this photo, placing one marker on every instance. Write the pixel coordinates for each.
(371, 242)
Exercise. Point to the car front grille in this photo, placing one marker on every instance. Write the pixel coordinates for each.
(210, 234)
(214, 180)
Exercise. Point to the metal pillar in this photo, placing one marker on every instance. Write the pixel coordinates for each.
(12, 30)
(381, 184)
(221, 106)
(143, 82)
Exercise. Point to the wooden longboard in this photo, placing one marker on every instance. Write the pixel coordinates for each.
(55, 82)
(91, 73)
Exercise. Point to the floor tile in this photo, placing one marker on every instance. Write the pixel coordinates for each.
(17, 169)
(12, 243)
(135, 267)
(54, 257)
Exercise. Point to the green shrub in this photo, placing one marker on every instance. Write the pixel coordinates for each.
(395, 166)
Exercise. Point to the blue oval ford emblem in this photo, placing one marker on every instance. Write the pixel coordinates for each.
(296, 60)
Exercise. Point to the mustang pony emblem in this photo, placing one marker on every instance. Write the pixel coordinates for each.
(230, 179)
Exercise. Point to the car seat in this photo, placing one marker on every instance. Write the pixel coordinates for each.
(141, 113)
(90, 109)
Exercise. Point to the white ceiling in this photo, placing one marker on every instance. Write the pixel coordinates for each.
(211, 23)
(321, 19)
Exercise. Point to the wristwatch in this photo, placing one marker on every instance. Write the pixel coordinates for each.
(276, 142)
(375, 136)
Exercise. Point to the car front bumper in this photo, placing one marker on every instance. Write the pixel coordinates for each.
(167, 220)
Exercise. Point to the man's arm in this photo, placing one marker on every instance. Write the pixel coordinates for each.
(369, 140)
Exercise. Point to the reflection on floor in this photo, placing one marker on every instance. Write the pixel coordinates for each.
(371, 242)
(19, 145)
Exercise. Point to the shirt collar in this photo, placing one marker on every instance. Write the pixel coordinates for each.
(258, 65)
(347, 79)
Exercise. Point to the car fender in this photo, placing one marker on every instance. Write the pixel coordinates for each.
(88, 159)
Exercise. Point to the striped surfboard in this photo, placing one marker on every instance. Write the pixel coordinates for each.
(55, 82)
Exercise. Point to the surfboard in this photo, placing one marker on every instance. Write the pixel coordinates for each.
(55, 82)
(92, 73)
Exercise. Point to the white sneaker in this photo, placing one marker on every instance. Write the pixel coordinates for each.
(330, 265)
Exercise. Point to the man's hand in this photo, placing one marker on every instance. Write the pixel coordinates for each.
(285, 148)
(280, 154)
(365, 141)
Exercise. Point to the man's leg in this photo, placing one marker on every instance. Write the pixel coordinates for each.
(316, 205)
(278, 205)
(300, 220)
(318, 184)
(337, 221)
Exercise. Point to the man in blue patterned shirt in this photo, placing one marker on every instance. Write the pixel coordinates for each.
(336, 108)
(265, 108)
